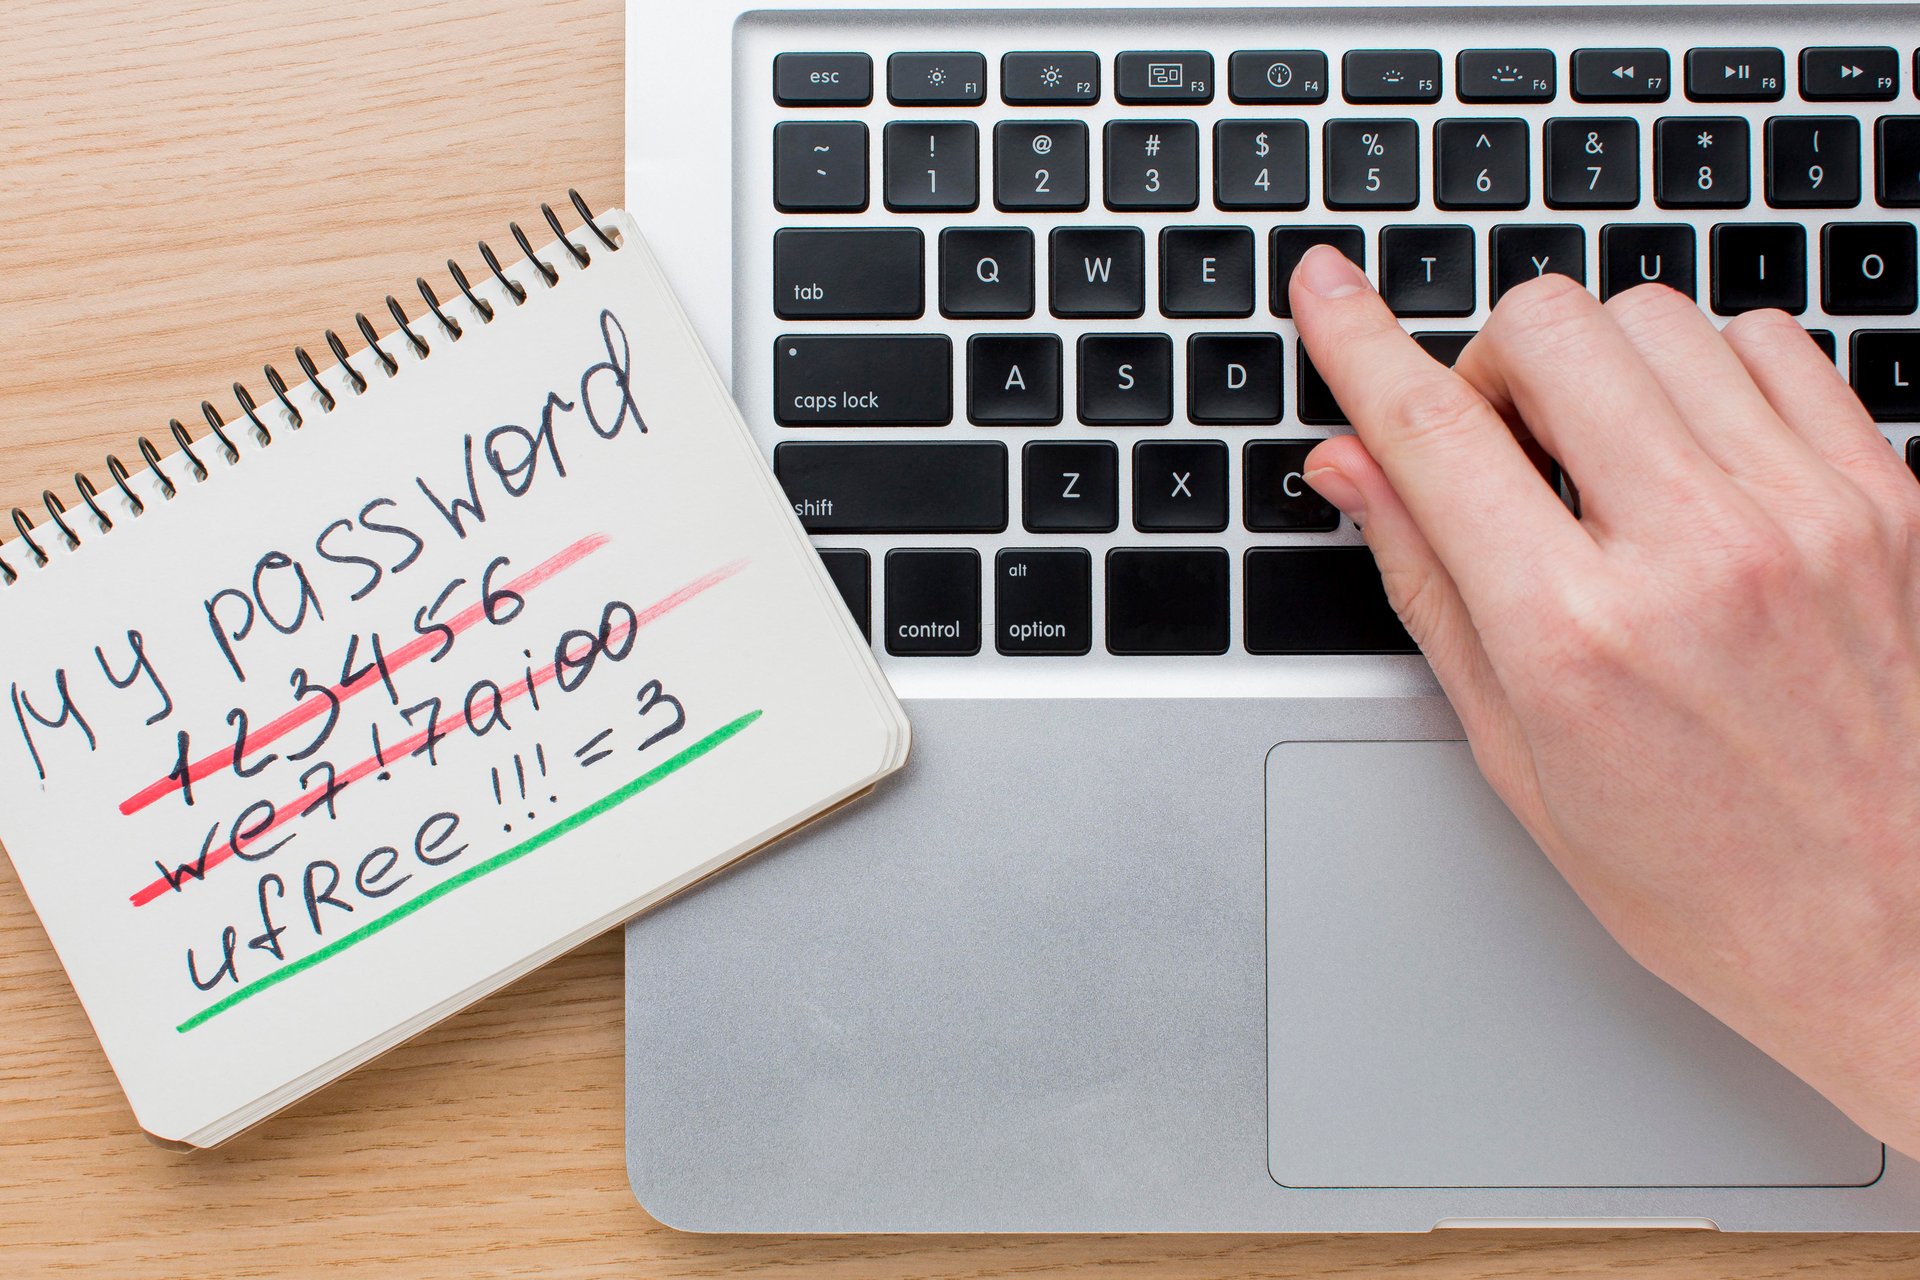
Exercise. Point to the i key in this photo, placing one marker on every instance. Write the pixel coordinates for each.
(1700, 162)
(933, 165)
(1372, 164)
(1153, 164)
(1480, 164)
(1593, 164)
(1813, 162)
(1758, 265)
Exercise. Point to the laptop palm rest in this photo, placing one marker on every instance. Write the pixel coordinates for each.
(1519, 1046)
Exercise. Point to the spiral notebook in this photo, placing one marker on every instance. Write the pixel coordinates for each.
(418, 671)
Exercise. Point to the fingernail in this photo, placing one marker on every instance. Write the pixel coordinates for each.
(1332, 485)
(1330, 273)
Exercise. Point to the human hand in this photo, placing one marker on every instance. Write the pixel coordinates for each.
(1701, 696)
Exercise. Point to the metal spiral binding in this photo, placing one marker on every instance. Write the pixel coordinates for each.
(70, 531)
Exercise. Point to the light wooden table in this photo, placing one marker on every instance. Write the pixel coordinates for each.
(187, 189)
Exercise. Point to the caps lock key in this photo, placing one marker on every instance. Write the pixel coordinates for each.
(863, 380)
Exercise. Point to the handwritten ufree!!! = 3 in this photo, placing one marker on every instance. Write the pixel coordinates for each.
(572, 822)
(196, 868)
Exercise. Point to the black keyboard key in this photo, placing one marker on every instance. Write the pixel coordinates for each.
(1043, 602)
(1158, 76)
(1206, 271)
(1318, 408)
(1884, 367)
(1040, 165)
(1013, 379)
(1828, 344)
(1621, 75)
(1097, 271)
(1736, 75)
(1287, 245)
(895, 488)
(933, 603)
(1428, 270)
(1813, 162)
(820, 167)
(1319, 600)
(1700, 162)
(1758, 265)
(1867, 268)
(1277, 75)
(1234, 379)
(851, 569)
(1039, 79)
(1636, 253)
(1593, 164)
(1849, 74)
(1152, 164)
(1520, 252)
(1444, 346)
(936, 79)
(932, 166)
(986, 272)
(863, 380)
(1896, 145)
(1277, 498)
(1070, 486)
(1260, 164)
(1913, 445)
(1390, 75)
(1167, 600)
(1179, 486)
(1504, 75)
(1480, 164)
(1126, 379)
(1371, 164)
(822, 79)
(869, 273)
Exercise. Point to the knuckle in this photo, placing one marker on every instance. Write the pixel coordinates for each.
(1769, 329)
(1425, 407)
(1653, 310)
(1540, 312)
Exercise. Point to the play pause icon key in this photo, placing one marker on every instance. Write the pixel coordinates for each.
(1736, 75)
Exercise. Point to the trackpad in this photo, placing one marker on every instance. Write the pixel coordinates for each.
(1443, 1011)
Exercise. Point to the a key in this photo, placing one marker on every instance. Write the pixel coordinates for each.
(1039, 79)
(1013, 379)
(933, 603)
(1318, 408)
(1896, 163)
(851, 570)
(895, 488)
(1277, 75)
(1097, 271)
(986, 272)
(1371, 164)
(1700, 162)
(1070, 486)
(1444, 346)
(1504, 75)
(1234, 379)
(1126, 378)
(1521, 252)
(1042, 601)
(863, 380)
(1168, 600)
(932, 165)
(820, 166)
(1319, 600)
(1040, 165)
(1758, 265)
(1736, 75)
(822, 79)
(1867, 268)
(1390, 75)
(1152, 164)
(1160, 76)
(1593, 164)
(1427, 270)
(1179, 486)
(1260, 164)
(1849, 74)
(1621, 75)
(869, 273)
(936, 79)
(1206, 271)
(1480, 164)
(1277, 497)
(1633, 253)
(1287, 245)
(1813, 162)
(1884, 367)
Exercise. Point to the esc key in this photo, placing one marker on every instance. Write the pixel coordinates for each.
(823, 79)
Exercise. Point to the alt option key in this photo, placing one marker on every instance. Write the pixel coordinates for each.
(1042, 602)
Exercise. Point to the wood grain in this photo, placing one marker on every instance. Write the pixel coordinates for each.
(190, 188)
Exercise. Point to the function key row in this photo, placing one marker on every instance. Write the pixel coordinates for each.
(1039, 78)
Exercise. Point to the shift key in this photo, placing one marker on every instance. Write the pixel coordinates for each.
(895, 487)
(863, 380)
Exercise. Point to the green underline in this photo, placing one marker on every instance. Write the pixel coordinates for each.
(570, 823)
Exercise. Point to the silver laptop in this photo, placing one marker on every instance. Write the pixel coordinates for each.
(1191, 912)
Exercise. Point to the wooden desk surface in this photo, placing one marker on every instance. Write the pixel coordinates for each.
(187, 189)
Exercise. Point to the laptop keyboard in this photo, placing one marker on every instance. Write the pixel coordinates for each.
(1028, 373)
